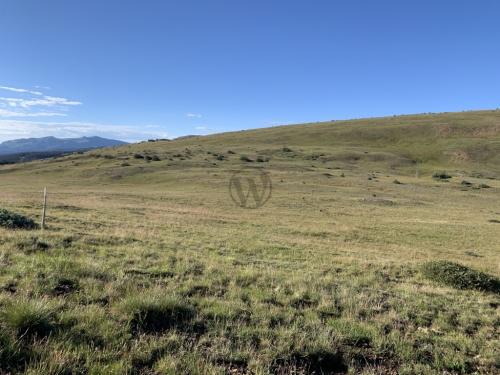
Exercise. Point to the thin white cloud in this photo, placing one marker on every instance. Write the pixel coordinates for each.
(193, 115)
(21, 108)
(45, 101)
(13, 129)
(24, 91)
(7, 113)
(28, 103)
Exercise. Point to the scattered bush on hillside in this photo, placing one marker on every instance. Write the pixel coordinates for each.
(441, 175)
(397, 182)
(231, 152)
(460, 277)
(156, 158)
(138, 156)
(262, 159)
(286, 149)
(246, 158)
(12, 220)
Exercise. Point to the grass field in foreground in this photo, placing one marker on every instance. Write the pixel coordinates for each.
(148, 267)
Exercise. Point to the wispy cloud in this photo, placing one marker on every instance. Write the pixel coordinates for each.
(193, 115)
(25, 91)
(45, 101)
(12, 129)
(22, 114)
(7, 113)
(29, 102)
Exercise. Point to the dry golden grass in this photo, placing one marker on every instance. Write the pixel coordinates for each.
(324, 278)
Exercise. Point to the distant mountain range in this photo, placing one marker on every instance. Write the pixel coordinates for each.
(55, 145)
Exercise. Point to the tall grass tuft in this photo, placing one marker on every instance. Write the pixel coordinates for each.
(29, 319)
(156, 314)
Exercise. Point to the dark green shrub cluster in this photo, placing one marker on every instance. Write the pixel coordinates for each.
(245, 158)
(441, 175)
(12, 220)
(460, 277)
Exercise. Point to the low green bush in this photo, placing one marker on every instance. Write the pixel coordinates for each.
(460, 277)
(245, 158)
(12, 220)
(441, 175)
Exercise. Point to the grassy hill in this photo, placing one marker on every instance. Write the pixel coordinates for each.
(149, 267)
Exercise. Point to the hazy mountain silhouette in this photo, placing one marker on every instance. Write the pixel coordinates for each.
(53, 144)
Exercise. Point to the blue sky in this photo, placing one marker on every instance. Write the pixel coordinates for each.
(138, 69)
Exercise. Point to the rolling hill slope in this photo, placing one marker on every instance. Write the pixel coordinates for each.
(359, 262)
(464, 143)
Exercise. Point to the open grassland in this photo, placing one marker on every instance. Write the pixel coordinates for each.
(148, 267)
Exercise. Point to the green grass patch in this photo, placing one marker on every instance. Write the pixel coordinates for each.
(154, 315)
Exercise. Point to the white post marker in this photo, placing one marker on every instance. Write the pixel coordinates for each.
(44, 207)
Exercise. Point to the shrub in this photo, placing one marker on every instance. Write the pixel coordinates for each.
(286, 149)
(138, 156)
(12, 220)
(460, 277)
(441, 175)
(158, 314)
(397, 182)
(245, 158)
(156, 158)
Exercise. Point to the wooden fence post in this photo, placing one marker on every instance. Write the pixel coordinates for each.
(44, 207)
